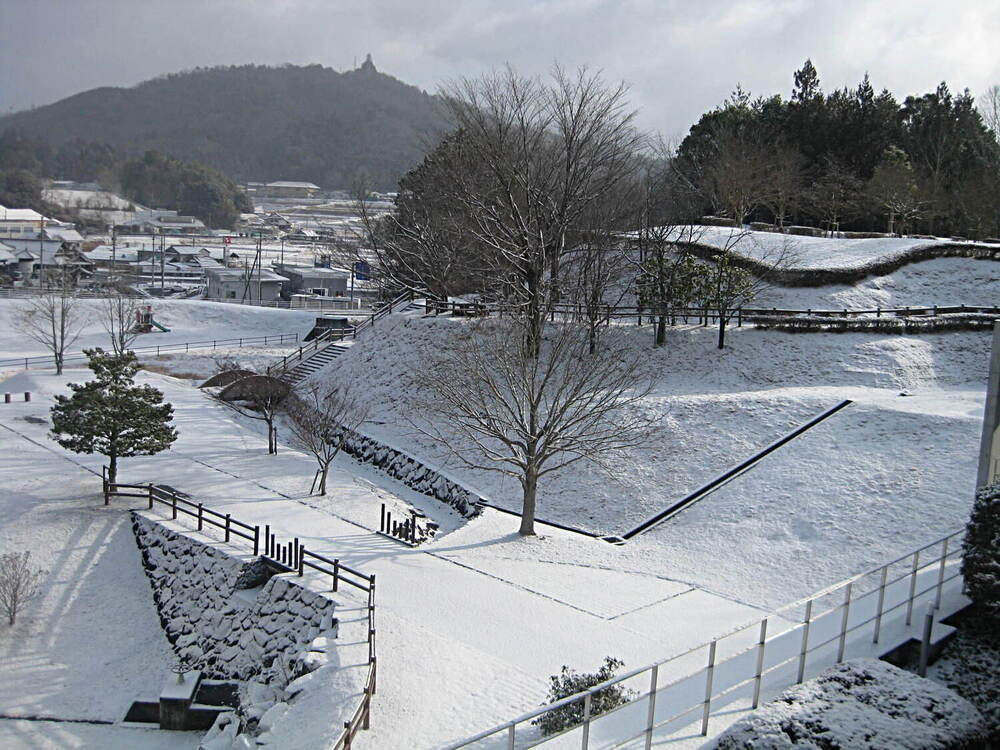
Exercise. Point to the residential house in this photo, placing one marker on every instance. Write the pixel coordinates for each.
(240, 285)
(323, 282)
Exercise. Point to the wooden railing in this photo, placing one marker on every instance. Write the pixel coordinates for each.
(184, 346)
(292, 556)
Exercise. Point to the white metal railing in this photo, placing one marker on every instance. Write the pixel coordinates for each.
(870, 611)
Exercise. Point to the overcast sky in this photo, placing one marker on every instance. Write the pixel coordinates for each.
(680, 58)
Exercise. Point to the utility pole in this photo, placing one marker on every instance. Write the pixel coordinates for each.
(163, 262)
(114, 254)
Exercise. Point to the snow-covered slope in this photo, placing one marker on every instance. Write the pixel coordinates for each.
(811, 252)
(883, 476)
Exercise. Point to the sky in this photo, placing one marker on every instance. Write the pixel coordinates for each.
(679, 58)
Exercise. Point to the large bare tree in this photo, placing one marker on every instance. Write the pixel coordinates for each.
(255, 396)
(54, 318)
(545, 153)
(320, 418)
(497, 404)
(120, 318)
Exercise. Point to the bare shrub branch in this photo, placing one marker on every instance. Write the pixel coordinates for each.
(19, 583)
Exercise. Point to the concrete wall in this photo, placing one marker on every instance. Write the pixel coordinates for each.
(224, 612)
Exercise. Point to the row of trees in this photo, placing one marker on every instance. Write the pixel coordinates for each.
(153, 179)
(852, 159)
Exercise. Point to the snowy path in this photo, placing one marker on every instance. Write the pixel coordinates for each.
(469, 627)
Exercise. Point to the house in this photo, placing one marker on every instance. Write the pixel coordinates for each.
(323, 282)
(286, 189)
(157, 220)
(240, 285)
(20, 223)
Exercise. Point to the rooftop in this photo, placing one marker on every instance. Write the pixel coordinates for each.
(286, 183)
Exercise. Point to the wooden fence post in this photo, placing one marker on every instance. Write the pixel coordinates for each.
(173, 505)
(256, 539)
(925, 642)
(200, 522)
(227, 527)
(336, 572)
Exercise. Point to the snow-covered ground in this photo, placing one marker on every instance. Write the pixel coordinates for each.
(810, 252)
(941, 281)
(471, 624)
(188, 320)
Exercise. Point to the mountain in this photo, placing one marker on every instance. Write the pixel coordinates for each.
(253, 122)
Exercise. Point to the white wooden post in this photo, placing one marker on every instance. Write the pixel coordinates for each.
(760, 663)
(843, 624)
(708, 689)
(940, 585)
(585, 742)
(510, 738)
(805, 641)
(913, 588)
(652, 706)
(881, 603)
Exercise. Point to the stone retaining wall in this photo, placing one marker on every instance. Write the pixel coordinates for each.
(226, 613)
(413, 473)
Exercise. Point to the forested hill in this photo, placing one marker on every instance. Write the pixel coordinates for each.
(255, 123)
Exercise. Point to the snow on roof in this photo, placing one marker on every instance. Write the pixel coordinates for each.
(287, 183)
(6, 255)
(239, 274)
(106, 252)
(66, 235)
(19, 214)
(314, 271)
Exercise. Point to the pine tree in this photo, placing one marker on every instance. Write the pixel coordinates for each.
(981, 550)
(111, 415)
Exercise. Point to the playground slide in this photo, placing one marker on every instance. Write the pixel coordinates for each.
(157, 325)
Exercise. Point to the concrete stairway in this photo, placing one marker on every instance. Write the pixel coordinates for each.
(319, 360)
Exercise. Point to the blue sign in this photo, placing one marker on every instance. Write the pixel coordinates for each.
(362, 271)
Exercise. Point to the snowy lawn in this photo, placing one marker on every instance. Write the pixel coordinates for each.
(480, 614)
(94, 623)
(812, 252)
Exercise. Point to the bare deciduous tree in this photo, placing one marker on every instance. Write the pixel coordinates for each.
(259, 397)
(496, 404)
(544, 154)
(120, 316)
(319, 420)
(53, 318)
(19, 583)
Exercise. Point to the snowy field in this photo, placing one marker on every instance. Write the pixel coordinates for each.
(478, 614)
(188, 320)
(811, 252)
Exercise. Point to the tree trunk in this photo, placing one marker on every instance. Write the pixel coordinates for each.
(661, 330)
(528, 506)
(271, 447)
(112, 467)
(59, 363)
(322, 479)
(892, 218)
(722, 330)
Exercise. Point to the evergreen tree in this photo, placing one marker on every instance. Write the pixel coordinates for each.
(111, 415)
(894, 188)
(981, 550)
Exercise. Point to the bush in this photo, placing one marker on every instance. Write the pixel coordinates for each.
(568, 683)
(981, 551)
(864, 704)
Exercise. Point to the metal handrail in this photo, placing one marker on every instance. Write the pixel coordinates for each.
(282, 338)
(916, 569)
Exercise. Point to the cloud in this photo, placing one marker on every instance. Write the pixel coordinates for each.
(680, 58)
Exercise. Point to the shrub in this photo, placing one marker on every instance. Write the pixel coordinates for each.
(981, 550)
(568, 683)
(18, 583)
(864, 704)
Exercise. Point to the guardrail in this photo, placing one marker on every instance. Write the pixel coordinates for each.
(337, 334)
(706, 489)
(779, 648)
(292, 556)
(186, 346)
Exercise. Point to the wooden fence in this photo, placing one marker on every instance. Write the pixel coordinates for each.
(291, 556)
